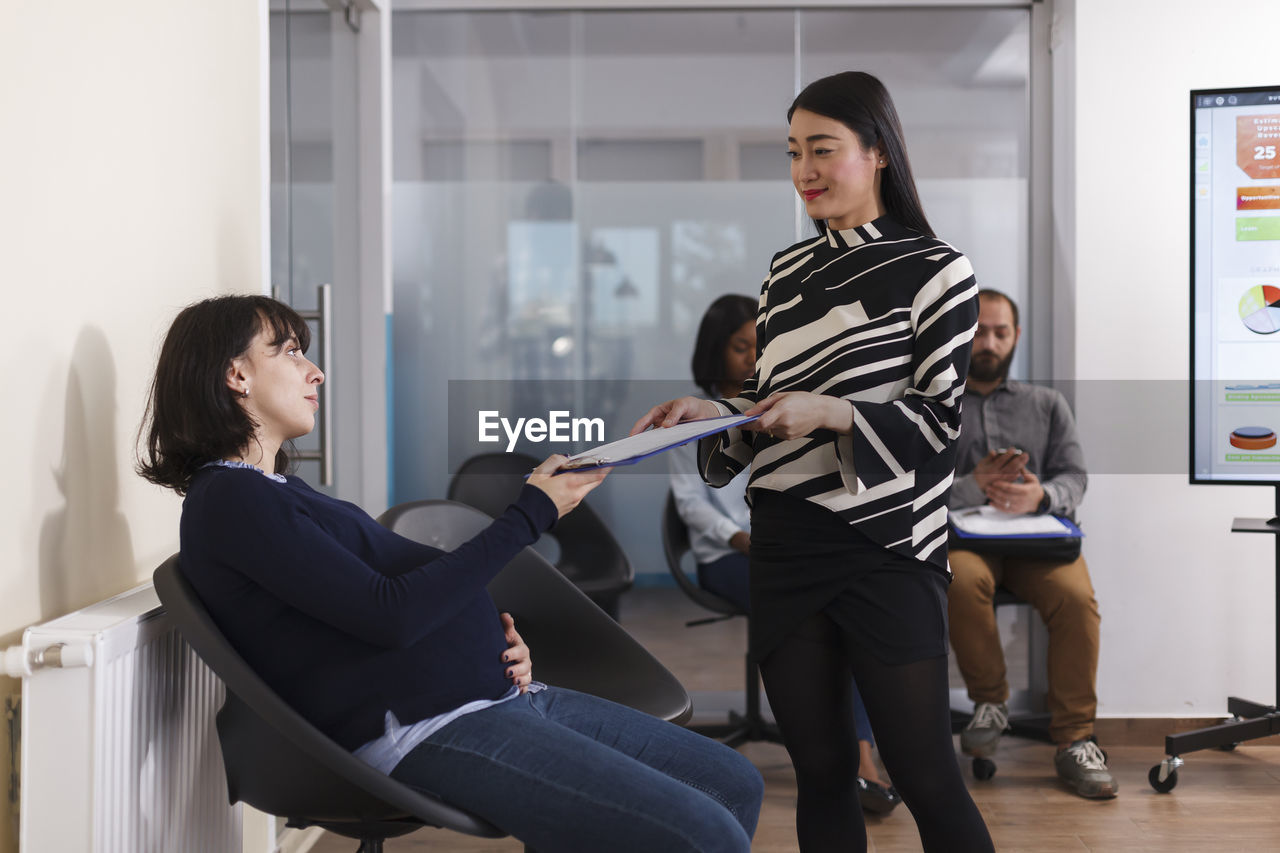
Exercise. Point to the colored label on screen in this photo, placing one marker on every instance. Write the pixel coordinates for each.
(1258, 198)
(1258, 228)
(1257, 141)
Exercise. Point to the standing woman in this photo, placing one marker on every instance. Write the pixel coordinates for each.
(719, 522)
(864, 335)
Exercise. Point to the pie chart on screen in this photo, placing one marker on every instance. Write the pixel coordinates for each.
(1260, 309)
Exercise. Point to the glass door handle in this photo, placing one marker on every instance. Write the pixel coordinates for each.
(323, 316)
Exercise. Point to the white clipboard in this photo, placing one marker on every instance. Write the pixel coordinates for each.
(629, 451)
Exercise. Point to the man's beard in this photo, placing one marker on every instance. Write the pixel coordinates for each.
(985, 367)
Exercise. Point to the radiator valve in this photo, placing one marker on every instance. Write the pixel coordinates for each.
(18, 662)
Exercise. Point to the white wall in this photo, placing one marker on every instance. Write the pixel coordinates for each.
(132, 178)
(1187, 607)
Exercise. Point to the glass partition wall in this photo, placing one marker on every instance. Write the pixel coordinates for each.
(328, 149)
(573, 189)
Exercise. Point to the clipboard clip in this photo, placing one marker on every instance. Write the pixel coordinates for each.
(575, 464)
(594, 462)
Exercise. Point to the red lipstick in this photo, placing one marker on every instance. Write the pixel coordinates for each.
(810, 195)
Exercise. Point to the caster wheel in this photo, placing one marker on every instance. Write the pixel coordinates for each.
(1170, 781)
(983, 769)
(1230, 747)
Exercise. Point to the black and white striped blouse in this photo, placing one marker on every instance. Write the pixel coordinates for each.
(883, 317)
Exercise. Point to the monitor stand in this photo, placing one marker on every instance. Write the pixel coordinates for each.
(1250, 720)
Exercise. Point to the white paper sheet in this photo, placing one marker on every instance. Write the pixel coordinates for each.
(989, 521)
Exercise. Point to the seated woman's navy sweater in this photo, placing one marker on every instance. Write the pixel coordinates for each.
(343, 618)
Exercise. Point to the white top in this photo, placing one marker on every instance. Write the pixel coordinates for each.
(712, 515)
(385, 752)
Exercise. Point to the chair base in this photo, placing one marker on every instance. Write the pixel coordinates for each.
(371, 834)
(748, 726)
(1031, 726)
(740, 729)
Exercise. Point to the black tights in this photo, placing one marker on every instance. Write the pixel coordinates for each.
(807, 679)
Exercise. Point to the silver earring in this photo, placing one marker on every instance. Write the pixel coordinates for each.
(245, 392)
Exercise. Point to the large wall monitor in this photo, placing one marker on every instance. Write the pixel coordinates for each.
(1235, 285)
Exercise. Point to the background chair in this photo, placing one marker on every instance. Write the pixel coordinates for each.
(751, 725)
(575, 644)
(589, 555)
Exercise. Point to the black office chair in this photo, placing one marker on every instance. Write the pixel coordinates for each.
(279, 763)
(749, 726)
(574, 642)
(589, 555)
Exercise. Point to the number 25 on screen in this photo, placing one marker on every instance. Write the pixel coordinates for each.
(1264, 152)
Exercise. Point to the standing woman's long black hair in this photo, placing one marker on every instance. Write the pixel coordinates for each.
(860, 102)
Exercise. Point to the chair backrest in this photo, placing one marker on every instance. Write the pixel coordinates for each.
(276, 761)
(675, 541)
(574, 643)
(590, 556)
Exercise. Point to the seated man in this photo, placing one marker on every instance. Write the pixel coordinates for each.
(1018, 451)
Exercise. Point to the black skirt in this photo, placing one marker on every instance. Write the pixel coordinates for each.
(806, 560)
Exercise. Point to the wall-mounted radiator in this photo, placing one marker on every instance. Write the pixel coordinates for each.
(119, 753)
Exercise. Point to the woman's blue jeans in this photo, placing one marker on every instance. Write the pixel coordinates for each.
(564, 771)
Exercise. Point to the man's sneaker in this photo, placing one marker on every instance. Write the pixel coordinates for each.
(979, 738)
(1084, 767)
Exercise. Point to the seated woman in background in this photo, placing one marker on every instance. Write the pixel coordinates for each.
(393, 648)
(719, 521)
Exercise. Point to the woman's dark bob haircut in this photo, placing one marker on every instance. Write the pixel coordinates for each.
(861, 103)
(724, 317)
(192, 416)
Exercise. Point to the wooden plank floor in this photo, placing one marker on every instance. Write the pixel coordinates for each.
(1228, 802)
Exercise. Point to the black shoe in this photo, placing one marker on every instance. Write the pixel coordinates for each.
(876, 798)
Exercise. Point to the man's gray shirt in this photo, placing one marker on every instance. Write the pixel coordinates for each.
(1037, 421)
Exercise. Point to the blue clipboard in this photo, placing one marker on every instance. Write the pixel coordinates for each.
(1056, 547)
(633, 449)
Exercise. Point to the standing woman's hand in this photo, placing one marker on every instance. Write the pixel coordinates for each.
(672, 412)
(516, 657)
(795, 414)
(565, 490)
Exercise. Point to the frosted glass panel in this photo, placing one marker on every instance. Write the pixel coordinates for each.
(959, 78)
(484, 293)
(640, 160)
(573, 189)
